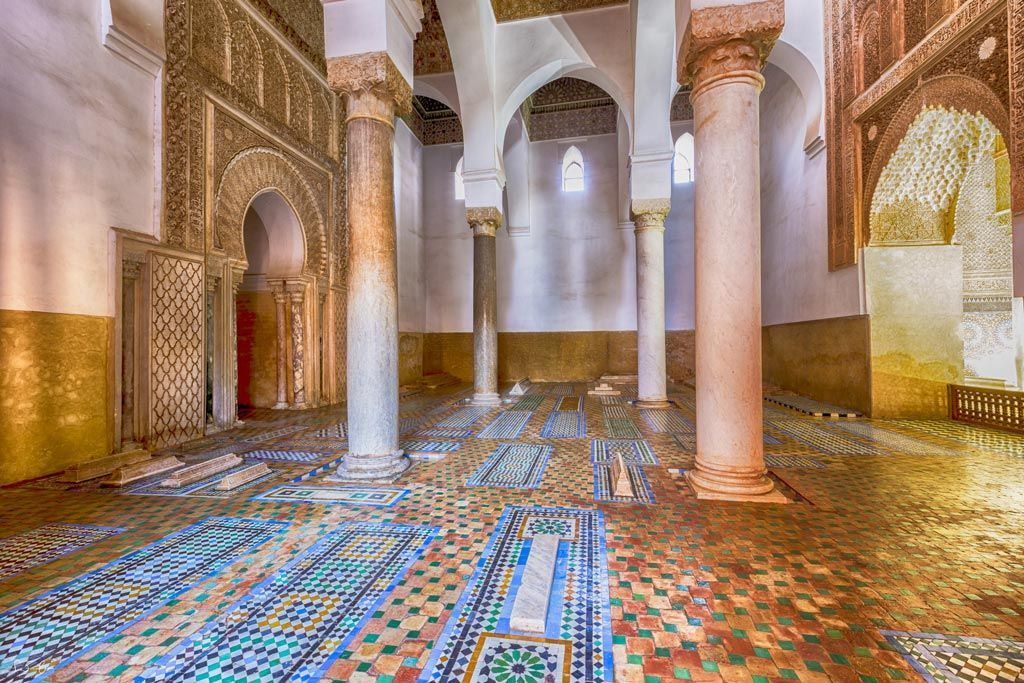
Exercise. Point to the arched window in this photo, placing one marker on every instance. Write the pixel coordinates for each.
(572, 170)
(682, 163)
(460, 186)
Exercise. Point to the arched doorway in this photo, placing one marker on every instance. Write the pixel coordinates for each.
(939, 264)
(270, 299)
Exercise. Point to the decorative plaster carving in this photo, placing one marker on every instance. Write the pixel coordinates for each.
(513, 10)
(431, 54)
(649, 214)
(484, 220)
(372, 84)
(251, 172)
(729, 39)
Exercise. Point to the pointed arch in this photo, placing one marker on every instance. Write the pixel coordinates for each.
(573, 175)
(683, 160)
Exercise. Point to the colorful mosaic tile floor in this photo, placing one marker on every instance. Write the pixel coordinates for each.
(896, 561)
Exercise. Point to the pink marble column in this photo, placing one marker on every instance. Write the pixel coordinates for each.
(373, 88)
(723, 61)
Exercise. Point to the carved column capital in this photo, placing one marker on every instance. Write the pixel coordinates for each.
(131, 268)
(649, 214)
(372, 86)
(729, 42)
(484, 220)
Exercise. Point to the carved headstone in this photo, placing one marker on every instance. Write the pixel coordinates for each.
(141, 470)
(236, 479)
(604, 389)
(203, 470)
(93, 469)
(520, 388)
(622, 487)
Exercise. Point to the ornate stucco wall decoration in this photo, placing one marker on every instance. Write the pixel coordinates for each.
(512, 10)
(923, 177)
(247, 174)
(868, 112)
(430, 51)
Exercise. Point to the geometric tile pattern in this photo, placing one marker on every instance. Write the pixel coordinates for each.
(615, 412)
(316, 444)
(282, 431)
(671, 421)
(951, 659)
(446, 433)
(294, 624)
(463, 417)
(567, 403)
(979, 437)
(319, 471)
(529, 402)
(809, 406)
(894, 440)
(565, 425)
(519, 659)
(508, 425)
(604, 451)
(47, 543)
(775, 461)
(430, 446)
(822, 439)
(333, 495)
(604, 487)
(619, 428)
(46, 632)
(335, 431)
(285, 456)
(578, 608)
(519, 466)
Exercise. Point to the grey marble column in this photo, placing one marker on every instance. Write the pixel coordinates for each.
(485, 222)
(281, 301)
(649, 218)
(373, 88)
(298, 350)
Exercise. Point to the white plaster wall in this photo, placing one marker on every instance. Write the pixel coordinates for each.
(796, 284)
(573, 271)
(679, 282)
(409, 224)
(76, 156)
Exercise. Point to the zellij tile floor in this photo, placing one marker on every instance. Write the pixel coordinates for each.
(901, 558)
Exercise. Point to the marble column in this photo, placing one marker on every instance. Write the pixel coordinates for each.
(649, 221)
(131, 271)
(485, 223)
(281, 301)
(724, 70)
(373, 90)
(298, 349)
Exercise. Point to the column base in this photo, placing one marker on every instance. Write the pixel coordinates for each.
(299, 406)
(281, 405)
(758, 490)
(382, 469)
(485, 400)
(654, 403)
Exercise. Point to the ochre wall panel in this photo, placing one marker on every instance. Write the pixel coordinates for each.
(554, 356)
(410, 357)
(828, 360)
(54, 392)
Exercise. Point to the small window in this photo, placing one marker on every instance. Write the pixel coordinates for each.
(682, 163)
(460, 186)
(572, 171)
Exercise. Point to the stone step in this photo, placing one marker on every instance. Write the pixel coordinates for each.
(140, 470)
(530, 610)
(236, 479)
(203, 470)
(93, 469)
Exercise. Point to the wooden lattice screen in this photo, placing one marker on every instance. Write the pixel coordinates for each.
(990, 407)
